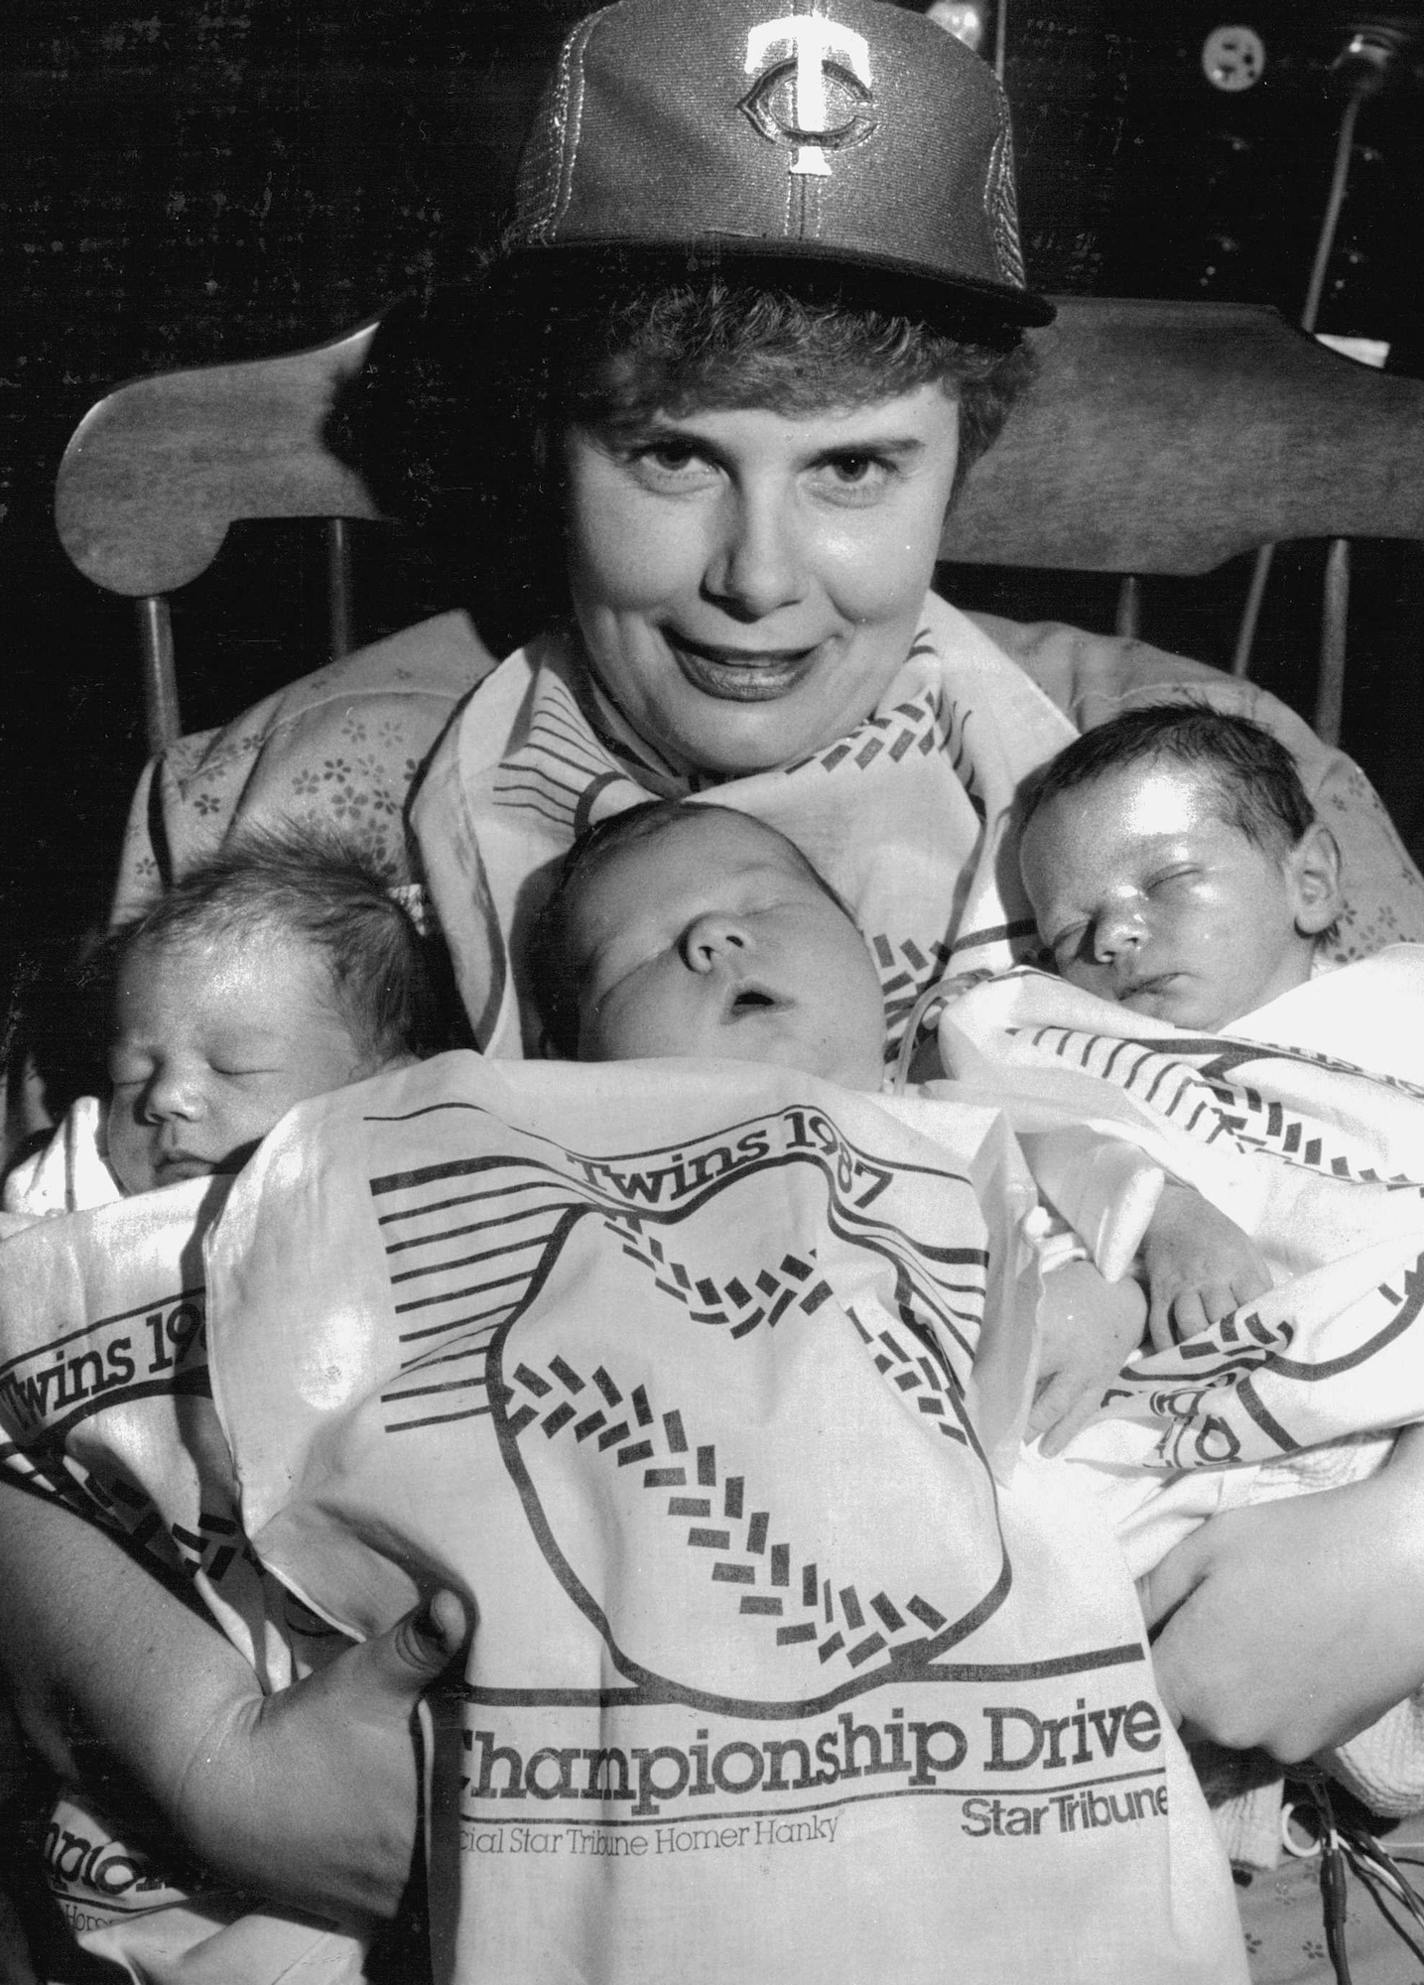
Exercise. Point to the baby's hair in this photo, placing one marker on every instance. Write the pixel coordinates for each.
(1255, 777)
(386, 983)
(553, 978)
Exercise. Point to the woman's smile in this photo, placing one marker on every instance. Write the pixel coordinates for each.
(742, 675)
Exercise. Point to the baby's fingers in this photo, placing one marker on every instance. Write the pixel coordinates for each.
(1250, 1283)
(1052, 1400)
(1193, 1310)
(1073, 1421)
(1064, 1405)
(1161, 1321)
(1212, 1303)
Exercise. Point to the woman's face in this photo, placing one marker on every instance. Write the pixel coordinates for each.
(746, 583)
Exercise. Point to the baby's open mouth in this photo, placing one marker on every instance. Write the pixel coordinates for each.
(751, 999)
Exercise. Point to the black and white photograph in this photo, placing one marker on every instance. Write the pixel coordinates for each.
(574, 1416)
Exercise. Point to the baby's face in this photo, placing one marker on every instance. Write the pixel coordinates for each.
(1146, 895)
(713, 939)
(213, 1042)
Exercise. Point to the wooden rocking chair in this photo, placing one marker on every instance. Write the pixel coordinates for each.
(1160, 438)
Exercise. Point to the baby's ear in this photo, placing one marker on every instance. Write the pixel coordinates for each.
(1314, 869)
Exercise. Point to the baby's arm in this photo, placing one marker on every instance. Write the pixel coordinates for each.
(1199, 1266)
(1088, 1327)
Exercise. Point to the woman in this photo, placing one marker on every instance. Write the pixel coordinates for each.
(752, 469)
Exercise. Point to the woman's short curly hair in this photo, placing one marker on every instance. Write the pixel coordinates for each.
(462, 384)
(679, 347)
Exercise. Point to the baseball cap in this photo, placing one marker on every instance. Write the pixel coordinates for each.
(850, 137)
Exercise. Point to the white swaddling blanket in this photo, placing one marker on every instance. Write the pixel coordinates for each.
(772, 1678)
(1306, 1126)
(1318, 1156)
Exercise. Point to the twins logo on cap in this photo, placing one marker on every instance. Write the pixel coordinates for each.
(849, 133)
(827, 69)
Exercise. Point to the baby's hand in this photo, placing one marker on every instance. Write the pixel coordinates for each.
(1089, 1326)
(1199, 1266)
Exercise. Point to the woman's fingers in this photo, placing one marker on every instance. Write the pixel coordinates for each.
(1293, 1624)
(409, 1656)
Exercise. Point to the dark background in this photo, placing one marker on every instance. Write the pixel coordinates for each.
(222, 179)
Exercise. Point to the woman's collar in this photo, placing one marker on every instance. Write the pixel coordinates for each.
(621, 738)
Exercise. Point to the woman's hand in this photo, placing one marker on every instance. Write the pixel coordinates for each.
(1295, 1624)
(310, 1795)
(307, 1796)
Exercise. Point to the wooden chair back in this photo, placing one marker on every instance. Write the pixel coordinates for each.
(1159, 438)
(1166, 438)
(160, 469)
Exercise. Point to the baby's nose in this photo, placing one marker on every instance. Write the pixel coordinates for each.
(1117, 930)
(169, 1095)
(710, 938)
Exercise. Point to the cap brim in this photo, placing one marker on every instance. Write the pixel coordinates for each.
(958, 304)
